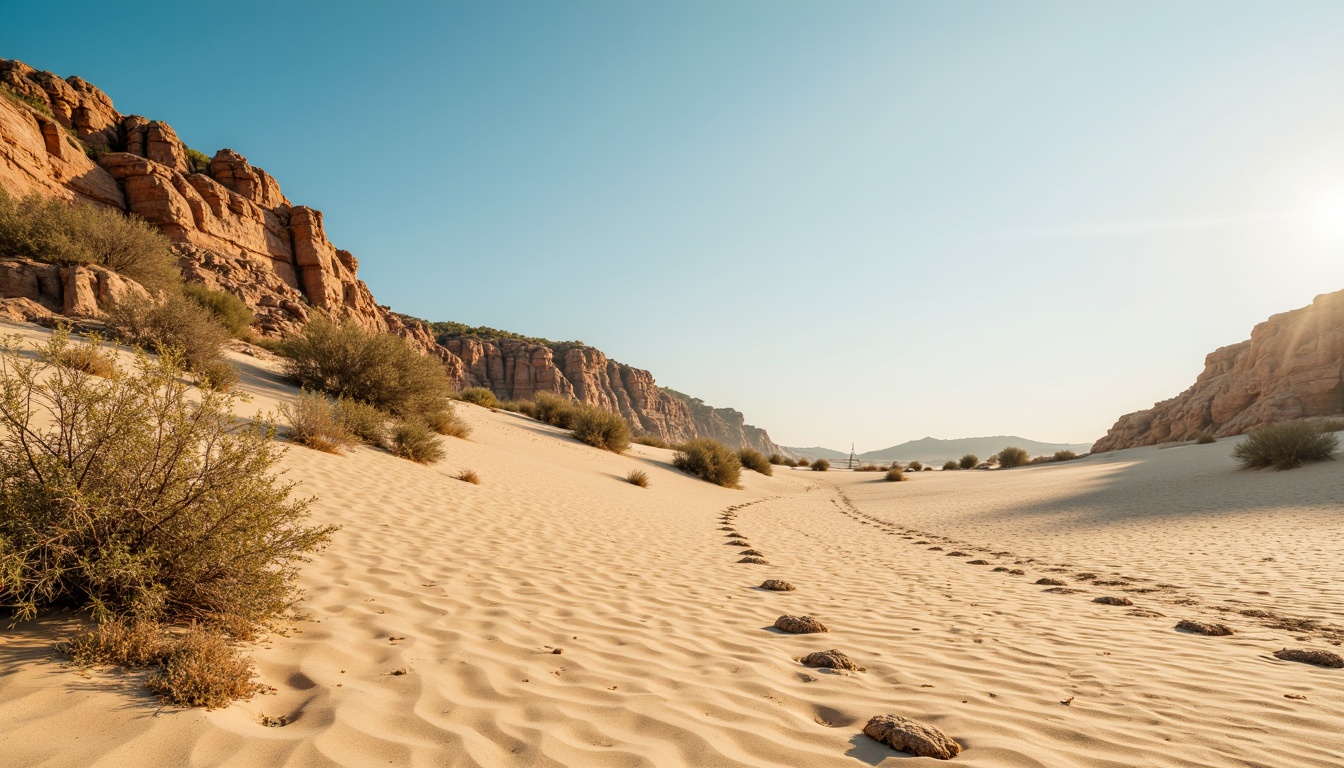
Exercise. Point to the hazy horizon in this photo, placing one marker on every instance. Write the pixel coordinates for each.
(854, 222)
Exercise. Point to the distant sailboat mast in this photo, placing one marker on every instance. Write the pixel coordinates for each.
(853, 459)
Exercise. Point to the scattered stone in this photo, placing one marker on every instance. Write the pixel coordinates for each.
(1111, 600)
(1319, 658)
(274, 722)
(922, 541)
(1001, 569)
(752, 552)
(1084, 576)
(935, 549)
(1297, 696)
(1145, 613)
(1112, 583)
(1067, 702)
(557, 651)
(799, 625)
(1047, 581)
(977, 562)
(957, 553)
(737, 543)
(905, 735)
(831, 659)
(1204, 628)
(728, 528)
(1063, 591)
(1017, 572)
(777, 585)
(754, 560)
(399, 671)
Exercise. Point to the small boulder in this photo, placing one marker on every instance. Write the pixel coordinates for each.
(1109, 600)
(777, 585)
(977, 562)
(754, 560)
(905, 735)
(1049, 582)
(1017, 572)
(831, 659)
(1204, 628)
(1319, 658)
(799, 625)
(752, 552)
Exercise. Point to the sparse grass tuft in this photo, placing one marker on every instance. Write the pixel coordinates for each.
(480, 396)
(638, 477)
(86, 356)
(651, 440)
(709, 460)
(601, 429)
(755, 461)
(447, 422)
(119, 642)
(867, 468)
(469, 476)
(821, 465)
(413, 439)
(1065, 455)
(1285, 446)
(895, 475)
(202, 670)
(803, 462)
(315, 422)
(1012, 457)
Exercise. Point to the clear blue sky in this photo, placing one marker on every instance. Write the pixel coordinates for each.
(854, 221)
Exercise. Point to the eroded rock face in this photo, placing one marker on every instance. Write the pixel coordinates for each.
(1289, 369)
(73, 291)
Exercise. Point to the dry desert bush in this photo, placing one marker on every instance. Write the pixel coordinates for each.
(174, 322)
(821, 465)
(653, 441)
(555, 410)
(227, 310)
(315, 421)
(969, 461)
(414, 439)
(479, 396)
(709, 460)
(755, 461)
(638, 477)
(469, 476)
(950, 465)
(88, 357)
(525, 407)
(1012, 456)
(895, 474)
(1065, 456)
(1285, 446)
(914, 466)
(1205, 437)
(600, 428)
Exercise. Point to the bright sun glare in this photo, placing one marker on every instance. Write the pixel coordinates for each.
(1330, 213)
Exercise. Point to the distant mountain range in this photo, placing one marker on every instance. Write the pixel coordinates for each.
(931, 450)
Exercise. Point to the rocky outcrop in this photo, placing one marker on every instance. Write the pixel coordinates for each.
(75, 291)
(1292, 367)
(234, 230)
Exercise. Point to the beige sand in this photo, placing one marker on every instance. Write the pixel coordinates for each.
(667, 656)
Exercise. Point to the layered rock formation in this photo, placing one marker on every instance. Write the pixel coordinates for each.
(234, 230)
(1292, 367)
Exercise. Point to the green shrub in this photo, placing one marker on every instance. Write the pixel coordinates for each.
(344, 360)
(480, 396)
(413, 439)
(174, 322)
(601, 428)
(94, 150)
(227, 309)
(651, 440)
(821, 465)
(555, 410)
(55, 232)
(969, 461)
(199, 162)
(87, 356)
(1012, 457)
(914, 466)
(201, 670)
(1065, 455)
(950, 465)
(133, 496)
(1285, 446)
(363, 421)
(447, 422)
(755, 461)
(315, 421)
(27, 100)
(895, 475)
(638, 477)
(709, 460)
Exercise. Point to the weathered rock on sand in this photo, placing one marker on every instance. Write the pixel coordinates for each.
(754, 560)
(916, 738)
(1288, 369)
(777, 585)
(1209, 628)
(1318, 658)
(1047, 581)
(799, 625)
(1112, 600)
(832, 659)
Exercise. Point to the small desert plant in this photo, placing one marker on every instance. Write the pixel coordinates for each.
(895, 475)
(1012, 457)
(790, 462)
(950, 465)
(1331, 425)
(174, 322)
(775, 459)
(709, 460)
(344, 360)
(555, 410)
(87, 356)
(821, 465)
(1065, 455)
(53, 231)
(1205, 437)
(469, 476)
(413, 439)
(638, 477)
(134, 496)
(969, 461)
(227, 309)
(755, 461)
(651, 440)
(601, 428)
(447, 422)
(1285, 446)
(525, 407)
(201, 670)
(23, 98)
(315, 421)
(119, 642)
(198, 161)
(914, 466)
(362, 420)
(480, 396)
(867, 468)
(803, 462)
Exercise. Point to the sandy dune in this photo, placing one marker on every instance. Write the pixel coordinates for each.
(668, 658)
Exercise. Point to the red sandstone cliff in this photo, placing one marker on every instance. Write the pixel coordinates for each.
(234, 230)
(1291, 368)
